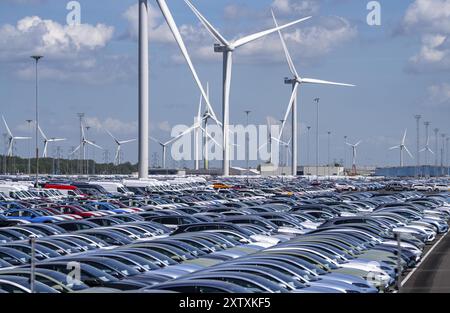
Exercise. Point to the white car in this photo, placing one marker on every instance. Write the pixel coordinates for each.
(422, 187)
(441, 187)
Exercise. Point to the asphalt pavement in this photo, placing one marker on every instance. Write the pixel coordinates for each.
(433, 274)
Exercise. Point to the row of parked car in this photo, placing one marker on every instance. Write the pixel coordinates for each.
(196, 235)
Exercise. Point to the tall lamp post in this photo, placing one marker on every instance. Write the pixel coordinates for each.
(29, 146)
(328, 162)
(418, 117)
(247, 148)
(345, 152)
(317, 100)
(436, 146)
(307, 146)
(36, 59)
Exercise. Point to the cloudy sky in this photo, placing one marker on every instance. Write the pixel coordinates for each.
(401, 68)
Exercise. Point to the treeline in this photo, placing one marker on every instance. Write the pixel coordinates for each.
(17, 165)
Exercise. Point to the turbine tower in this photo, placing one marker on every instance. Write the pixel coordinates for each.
(48, 140)
(354, 155)
(143, 89)
(83, 144)
(227, 48)
(427, 140)
(119, 143)
(295, 82)
(436, 146)
(402, 147)
(418, 117)
(11, 138)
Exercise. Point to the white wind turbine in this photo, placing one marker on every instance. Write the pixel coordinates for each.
(48, 140)
(354, 146)
(119, 143)
(12, 138)
(295, 82)
(227, 48)
(84, 142)
(427, 149)
(197, 125)
(402, 147)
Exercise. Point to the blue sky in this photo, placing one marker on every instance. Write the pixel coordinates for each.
(401, 68)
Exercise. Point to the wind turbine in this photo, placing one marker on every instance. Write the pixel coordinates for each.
(227, 48)
(12, 138)
(354, 155)
(402, 147)
(48, 140)
(119, 144)
(295, 82)
(427, 149)
(194, 127)
(84, 142)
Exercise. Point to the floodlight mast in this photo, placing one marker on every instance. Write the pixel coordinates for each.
(143, 89)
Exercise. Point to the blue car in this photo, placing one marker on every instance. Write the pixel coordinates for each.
(30, 215)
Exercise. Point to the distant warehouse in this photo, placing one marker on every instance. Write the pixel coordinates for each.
(412, 171)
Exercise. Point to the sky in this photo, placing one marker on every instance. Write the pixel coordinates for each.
(401, 68)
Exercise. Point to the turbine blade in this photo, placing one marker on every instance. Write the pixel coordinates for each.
(207, 24)
(155, 140)
(211, 137)
(44, 154)
(187, 131)
(410, 154)
(359, 142)
(93, 144)
(76, 149)
(247, 39)
(42, 133)
(127, 141)
(291, 102)
(199, 111)
(111, 135)
(286, 51)
(176, 33)
(22, 138)
(7, 127)
(323, 82)
(404, 137)
(396, 147)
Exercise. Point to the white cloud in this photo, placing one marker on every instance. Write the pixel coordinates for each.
(288, 7)
(439, 95)
(158, 29)
(116, 126)
(431, 20)
(35, 35)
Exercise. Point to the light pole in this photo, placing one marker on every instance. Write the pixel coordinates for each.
(317, 100)
(80, 160)
(442, 154)
(328, 162)
(36, 59)
(307, 146)
(86, 151)
(447, 158)
(143, 89)
(29, 145)
(281, 148)
(247, 148)
(418, 117)
(345, 152)
(436, 146)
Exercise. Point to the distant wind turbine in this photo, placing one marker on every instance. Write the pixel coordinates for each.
(402, 147)
(227, 48)
(12, 138)
(296, 81)
(354, 154)
(427, 149)
(48, 140)
(119, 143)
(84, 142)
